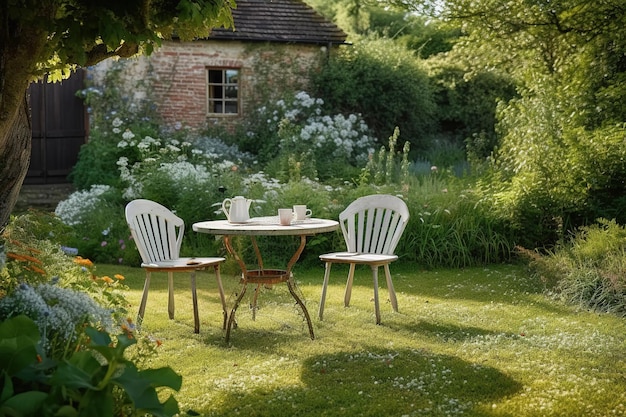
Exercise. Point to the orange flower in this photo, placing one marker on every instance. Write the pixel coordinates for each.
(23, 258)
(33, 250)
(36, 269)
(119, 277)
(107, 279)
(15, 256)
(83, 262)
(31, 259)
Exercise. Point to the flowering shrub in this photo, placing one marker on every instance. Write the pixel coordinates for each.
(300, 127)
(58, 357)
(60, 314)
(78, 205)
(99, 228)
(97, 381)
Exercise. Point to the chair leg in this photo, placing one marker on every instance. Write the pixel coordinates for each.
(220, 287)
(170, 290)
(376, 303)
(194, 297)
(327, 267)
(348, 293)
(392, 291)
(144, 299)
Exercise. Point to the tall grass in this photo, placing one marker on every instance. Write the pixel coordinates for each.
(451, 227)
(589, 270)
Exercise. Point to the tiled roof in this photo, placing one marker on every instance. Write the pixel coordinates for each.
(279, 21)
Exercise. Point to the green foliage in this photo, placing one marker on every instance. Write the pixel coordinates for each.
(37, 252)
(96, 381)
(71, 39)
(424, 36)
(466, 102)
(589, 269)
(113, 113)
(48, 359)
(33, 250)
(545, 181)
(388, 165)
(379, 80)
(451, 226)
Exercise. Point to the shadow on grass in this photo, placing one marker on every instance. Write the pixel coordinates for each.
(379, 382)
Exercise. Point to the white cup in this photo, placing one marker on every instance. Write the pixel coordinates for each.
(301, 212)
(285, 216)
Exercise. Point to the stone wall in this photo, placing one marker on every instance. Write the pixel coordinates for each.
(42, 196)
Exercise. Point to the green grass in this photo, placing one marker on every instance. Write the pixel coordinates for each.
(472, 342)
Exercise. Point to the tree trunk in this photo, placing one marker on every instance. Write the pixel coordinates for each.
(15, 147)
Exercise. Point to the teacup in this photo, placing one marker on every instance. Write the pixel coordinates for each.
(301, 212)
(285, 216)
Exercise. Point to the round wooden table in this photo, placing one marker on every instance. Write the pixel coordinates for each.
(266, 226)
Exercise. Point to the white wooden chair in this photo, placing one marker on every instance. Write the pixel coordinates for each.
(371, 227)
(158, 234)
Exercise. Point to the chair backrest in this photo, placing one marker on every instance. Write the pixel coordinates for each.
(157, 231)
(374, 224)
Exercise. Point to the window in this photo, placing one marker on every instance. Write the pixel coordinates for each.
(223, 91)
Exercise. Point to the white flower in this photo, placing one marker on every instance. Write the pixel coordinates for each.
(72, 210)
(128, 135)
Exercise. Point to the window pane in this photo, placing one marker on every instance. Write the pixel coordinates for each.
(217, 91)
(222, 91)
(231, 92)
(215, 76)
(231, 107)
(232, 76)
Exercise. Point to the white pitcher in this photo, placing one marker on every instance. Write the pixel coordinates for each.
(237, 209)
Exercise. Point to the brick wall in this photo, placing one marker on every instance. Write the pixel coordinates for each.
(177, 71)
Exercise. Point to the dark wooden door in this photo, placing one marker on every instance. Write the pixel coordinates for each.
(58, 119)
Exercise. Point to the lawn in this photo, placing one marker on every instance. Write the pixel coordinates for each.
(472, 342)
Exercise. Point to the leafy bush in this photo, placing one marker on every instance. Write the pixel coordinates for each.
(466, 101)
(95, 381)
(56, 314)
(379, 80)
(112, 108)
(544, 178)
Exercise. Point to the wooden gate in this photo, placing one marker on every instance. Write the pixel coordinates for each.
(59, 121)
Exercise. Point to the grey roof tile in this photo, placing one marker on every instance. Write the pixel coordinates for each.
(291, 21)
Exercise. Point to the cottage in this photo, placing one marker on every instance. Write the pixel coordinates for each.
(274, 45)
(217, 80)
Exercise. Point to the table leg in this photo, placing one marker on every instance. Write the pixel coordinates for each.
(231, 317)
(290, 284)
(257, 252)
(289, 280)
